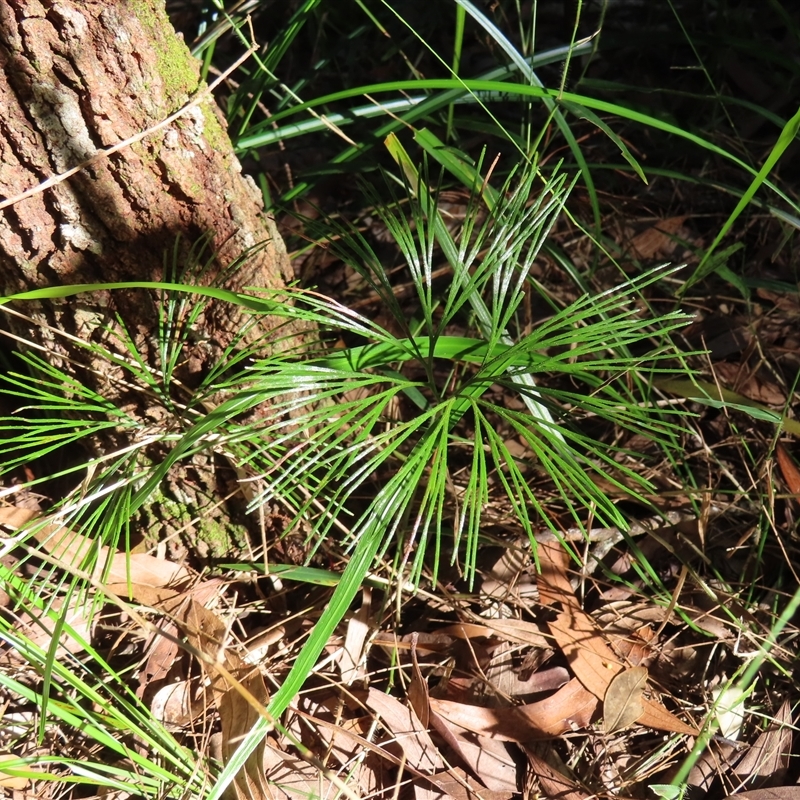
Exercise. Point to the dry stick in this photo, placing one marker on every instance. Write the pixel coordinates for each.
(56, 179)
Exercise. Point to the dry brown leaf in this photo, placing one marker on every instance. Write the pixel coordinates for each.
(554, 783)
(778, 793)
(288, 776)
(658, 239)
(594, 662)
(622, 705)
(767, 760)
(420, 752)
(788, 469)
(454, 783)
(162, 651)
(178, 703)
(740, 378)
(714, 761)
(554, 585)
(570, 707)
(657, 717)
(418, 689)
(459, 785)
(77, 615)
(72, 548)
(352, 655)
(513, 630)
(487, 758)
(590, 658)
(238, 690)
(495, 769)
(12, 782)
(491, 762)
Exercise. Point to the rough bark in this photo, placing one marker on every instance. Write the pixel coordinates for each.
(77, 77)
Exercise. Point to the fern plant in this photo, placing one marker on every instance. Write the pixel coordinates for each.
(324, 427)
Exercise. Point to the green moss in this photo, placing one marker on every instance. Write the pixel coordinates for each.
(177, 68)
(222, 540)
(208, 536)
(215, 134)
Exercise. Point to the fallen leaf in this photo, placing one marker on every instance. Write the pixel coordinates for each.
(352, 655)
(74, 549)
(741, 378)
(778, 793)
(74, 617)
(238, 690)
(659, 239)
(418, 695)
(491, 762)
(513, 630)
(178, 703)
(401, 721)
(162, 652)
(788, 469)
(767, 759)
(13, 782)
(591, 659)
(454, 783)
(288, 776)
(553, 782)
(569, 708)
(622, 705)
(714, 761)
(554, 586)
(657, 717)
(729, 710)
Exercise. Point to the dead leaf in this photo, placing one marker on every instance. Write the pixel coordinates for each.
(73, 549)
(487, 757)
(592, 660)
(418, 689)
(778, 793)
(622, 705)
(513, 630)
(788, 469)
(554, 586)
(657, 717)
(178, 703)
(162, 652)
(238, 690)
(491, 762)
(714, 761)
(553, 782)
(401, 721)
(78, 616)
(741, 378)
(659, 239)
(767, 760)
(454, 783)
(352, 655)
(13, 782)
(569, 708)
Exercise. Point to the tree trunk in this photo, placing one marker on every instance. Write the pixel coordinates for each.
(78, 77)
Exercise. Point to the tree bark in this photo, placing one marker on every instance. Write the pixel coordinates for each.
(78, 77)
